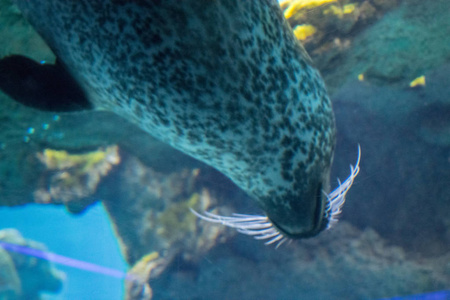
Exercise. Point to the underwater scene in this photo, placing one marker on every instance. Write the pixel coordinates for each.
(228, 149)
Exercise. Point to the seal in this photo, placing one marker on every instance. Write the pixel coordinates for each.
(224, 81)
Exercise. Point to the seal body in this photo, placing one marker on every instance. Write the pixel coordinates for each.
(224, 81)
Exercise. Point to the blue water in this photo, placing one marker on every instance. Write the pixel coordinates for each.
(88, 237)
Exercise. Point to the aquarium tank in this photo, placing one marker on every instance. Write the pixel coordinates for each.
(229, 149)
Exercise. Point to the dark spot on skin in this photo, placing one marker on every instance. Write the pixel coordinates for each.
(286, 141)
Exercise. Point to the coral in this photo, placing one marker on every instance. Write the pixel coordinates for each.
(367, 12)
(150, 211)
(303, 32)
(59, 160)
(419, 81)
(340, 11)
(298, 7)
(148, 267)
(178, 225)
(25, 277)
(410, 40)
(326, 13)
(328, 27)
(71, 177)
(322, 26)
(177, 221)
(361, 77)
(10, 287)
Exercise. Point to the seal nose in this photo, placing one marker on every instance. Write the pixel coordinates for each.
(305, 216)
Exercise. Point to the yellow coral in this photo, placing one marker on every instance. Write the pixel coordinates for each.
(61, 159)
(74, 176)
(144, 265)
(349, 8)
(178, 220)
(298, 5)
(340, 11)
(302, 32)
(419, 81)
(141, 273)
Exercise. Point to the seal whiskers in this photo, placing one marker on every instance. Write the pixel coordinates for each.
(336, 198)
(261, 228)
(257, 226)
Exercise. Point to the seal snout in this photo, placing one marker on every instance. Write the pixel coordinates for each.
(305, 221)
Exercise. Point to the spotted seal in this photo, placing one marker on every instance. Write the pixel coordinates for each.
(224, 81)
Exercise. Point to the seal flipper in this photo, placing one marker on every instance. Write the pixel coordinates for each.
(46, 87)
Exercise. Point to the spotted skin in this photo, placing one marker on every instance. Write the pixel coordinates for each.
(224, 81)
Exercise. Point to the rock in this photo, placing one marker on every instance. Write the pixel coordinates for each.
(345, 263)
(150, 211)
(411, 39)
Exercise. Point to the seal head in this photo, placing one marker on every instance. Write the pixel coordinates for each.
(224, 81)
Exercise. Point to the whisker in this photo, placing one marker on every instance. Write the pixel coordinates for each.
(261, 228)
(276, 238)
(249, 232)
(282, 241)
(336, 198)
(267, 236)
(257, 226)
